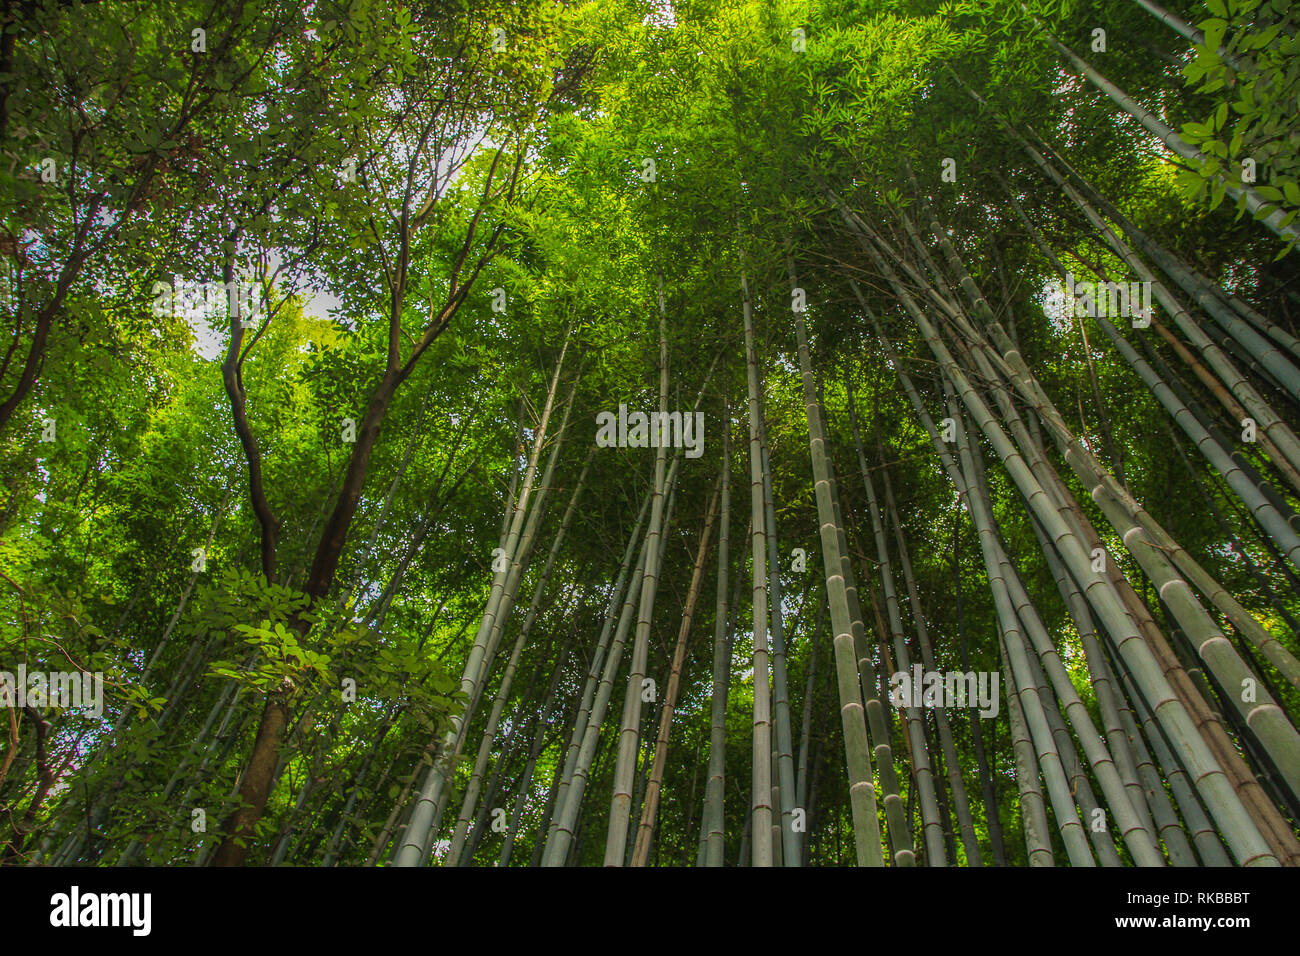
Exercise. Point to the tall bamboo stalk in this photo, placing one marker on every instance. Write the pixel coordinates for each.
(650, 807)
(712, 818)
(961, 802)
(789, 838)
(862, 790)
(620, 806)
(761, 788)
(414, 849)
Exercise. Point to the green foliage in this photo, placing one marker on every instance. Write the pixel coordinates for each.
(1248, 62)
(523, 168)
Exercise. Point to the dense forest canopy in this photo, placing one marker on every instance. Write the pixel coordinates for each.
(715, 432)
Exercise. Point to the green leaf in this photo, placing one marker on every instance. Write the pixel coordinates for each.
(1217, 192)
(1214, 32)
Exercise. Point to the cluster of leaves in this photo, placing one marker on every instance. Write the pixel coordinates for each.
(1250, 61)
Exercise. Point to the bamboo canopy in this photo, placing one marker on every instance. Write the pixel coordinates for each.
(610, 433)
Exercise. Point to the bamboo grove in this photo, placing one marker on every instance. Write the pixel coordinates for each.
(967, 336)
